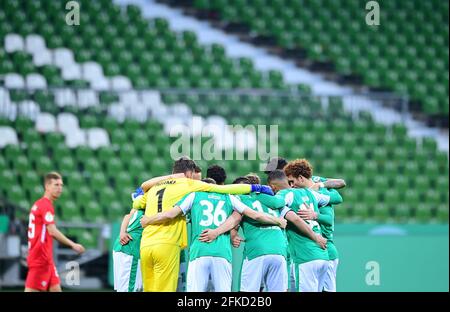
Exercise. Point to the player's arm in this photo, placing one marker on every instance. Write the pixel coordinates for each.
(256, 215)
(182, 207)
(124, 237)
(152, 182)
(63, 239)
(208, 235)
(334, 183)
(322, 218)
(235, 189)
(235, 238)
(304, 228)
(161, 217)
(326, 197)
(274, 202)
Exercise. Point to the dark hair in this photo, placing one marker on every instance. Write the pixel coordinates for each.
(275, 164)
(253, 178)
(197, 169)
(209, 180)
(241, 180)
(51, 176)
(217, 173)
(299, 167)
(183, 165)
(276, 175)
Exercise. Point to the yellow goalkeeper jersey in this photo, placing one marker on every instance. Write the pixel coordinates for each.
(164, 195)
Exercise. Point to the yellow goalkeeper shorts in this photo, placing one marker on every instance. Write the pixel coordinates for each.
(160, 265)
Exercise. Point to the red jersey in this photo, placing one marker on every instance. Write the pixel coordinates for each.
(40, 242)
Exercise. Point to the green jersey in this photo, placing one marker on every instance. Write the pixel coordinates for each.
(302, 248)
(326, 221)
(134, 229)
(209, 211)
(263, 239)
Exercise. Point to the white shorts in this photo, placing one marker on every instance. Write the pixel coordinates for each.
(291, 276)
(310, 276)
(127, 273)
(200, 270)
(330, 278)
(269, 269)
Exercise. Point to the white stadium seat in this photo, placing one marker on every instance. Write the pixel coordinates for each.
(151, 98)
(71, 72)
(14, 81)
(180, 109)
(120, 83)
(87, 98)
(45, 122)
(175, 125)
(44, 57)
(36, 81)
(63, 57)
(13, 43)
(29, 109)
(101, 84)
(97, 137)
(4, 96)
(65, 97)
(137, 112)
(129, 98)
(8, 110)
(117, 111)
(160, 113)
(8, 136)
(92, 71)
(74, 138)
(34, 44)
(67, 122)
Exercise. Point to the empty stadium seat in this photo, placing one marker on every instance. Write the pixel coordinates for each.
(8, 136)
(45, 122)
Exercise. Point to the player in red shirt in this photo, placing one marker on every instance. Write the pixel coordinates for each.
(42, 274)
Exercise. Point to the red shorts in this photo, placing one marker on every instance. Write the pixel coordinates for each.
(42, 277)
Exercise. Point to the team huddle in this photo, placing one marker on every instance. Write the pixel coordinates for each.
(287, 227)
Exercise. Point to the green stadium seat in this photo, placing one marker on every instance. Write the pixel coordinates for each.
(70, 211)
(88, 239)
(423, 213)
(93, 212)
(381, 212)
(361, 212)
(442, 213)
(116, 210)
(43, 165)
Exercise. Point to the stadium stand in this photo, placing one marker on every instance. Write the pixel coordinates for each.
(408, 54)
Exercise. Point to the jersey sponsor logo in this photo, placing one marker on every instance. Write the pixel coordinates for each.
(48, 217)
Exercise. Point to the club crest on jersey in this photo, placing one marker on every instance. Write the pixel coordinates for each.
(49, 217)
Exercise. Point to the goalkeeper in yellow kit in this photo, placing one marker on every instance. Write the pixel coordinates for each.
(161, 244)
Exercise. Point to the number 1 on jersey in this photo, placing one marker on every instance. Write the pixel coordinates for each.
(160, 194)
